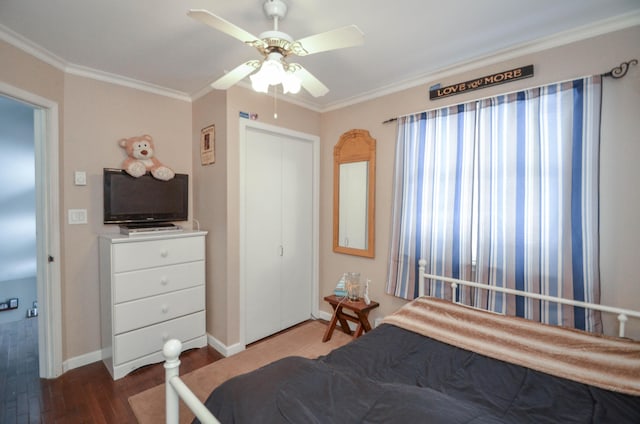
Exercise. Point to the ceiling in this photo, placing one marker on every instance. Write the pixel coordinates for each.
(155, 45)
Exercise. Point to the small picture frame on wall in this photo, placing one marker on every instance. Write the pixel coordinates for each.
(207, 145)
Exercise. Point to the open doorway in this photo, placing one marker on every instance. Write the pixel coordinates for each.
(45, 259)
(18, 253)
(18, 271)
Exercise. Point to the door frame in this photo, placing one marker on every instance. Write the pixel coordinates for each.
(46, 148)
(247, 125)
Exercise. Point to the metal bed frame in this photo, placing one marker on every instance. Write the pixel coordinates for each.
(623, 314)
(176, 389)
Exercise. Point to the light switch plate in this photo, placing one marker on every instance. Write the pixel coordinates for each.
(77, 216)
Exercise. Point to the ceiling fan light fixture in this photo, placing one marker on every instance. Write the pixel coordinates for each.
(258, 83)
(291, 83)
(272, 72)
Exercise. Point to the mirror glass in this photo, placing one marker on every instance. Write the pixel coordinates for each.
(353, 204)
(354, 194)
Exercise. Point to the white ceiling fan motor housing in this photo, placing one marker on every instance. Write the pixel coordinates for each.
(275, 39)
(275, 34)
(275, 8)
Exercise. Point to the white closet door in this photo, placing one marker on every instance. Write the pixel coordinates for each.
(278, 232)
(262, 244)
(297, 234)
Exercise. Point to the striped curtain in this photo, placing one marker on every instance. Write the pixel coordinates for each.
(503, 191)
(432, 210)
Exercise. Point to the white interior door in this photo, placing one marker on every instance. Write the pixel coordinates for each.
(278, 237)
(297, 234)
(263, 176)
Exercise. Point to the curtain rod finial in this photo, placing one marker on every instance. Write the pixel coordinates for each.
(620, 71)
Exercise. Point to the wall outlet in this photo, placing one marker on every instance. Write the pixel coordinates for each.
(9, 304)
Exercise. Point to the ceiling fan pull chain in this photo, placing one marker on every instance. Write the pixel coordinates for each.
(275, 102)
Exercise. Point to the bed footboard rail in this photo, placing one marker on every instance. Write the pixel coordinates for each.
(623, 314)
(176, 389)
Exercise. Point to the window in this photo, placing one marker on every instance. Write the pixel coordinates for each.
(503, 191)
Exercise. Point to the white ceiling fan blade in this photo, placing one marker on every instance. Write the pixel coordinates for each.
(309, 82)
(223, 25)
(340, 38)
(234, 76)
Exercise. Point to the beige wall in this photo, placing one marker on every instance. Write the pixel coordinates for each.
(210, 206)
(28, 73)
(97, 115)
(620, 198)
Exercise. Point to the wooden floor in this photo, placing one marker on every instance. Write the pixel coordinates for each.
(83, 395)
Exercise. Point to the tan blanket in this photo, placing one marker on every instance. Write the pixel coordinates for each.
(606, 362)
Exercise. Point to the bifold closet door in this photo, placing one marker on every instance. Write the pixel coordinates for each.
(278, 232)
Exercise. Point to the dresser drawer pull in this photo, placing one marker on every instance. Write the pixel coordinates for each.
(164, 281)
(165, 309)
(165, 337)
(164, 253)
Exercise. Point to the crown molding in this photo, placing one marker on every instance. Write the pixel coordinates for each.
(11, 37)
(560, 39)
(126, 82)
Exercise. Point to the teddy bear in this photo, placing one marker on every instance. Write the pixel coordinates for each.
(140, 151)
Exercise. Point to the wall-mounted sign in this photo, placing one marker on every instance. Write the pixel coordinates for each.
(478, 83)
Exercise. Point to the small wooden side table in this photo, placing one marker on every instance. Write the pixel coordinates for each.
(358, 307)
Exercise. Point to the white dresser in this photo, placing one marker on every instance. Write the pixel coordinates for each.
(152, 288)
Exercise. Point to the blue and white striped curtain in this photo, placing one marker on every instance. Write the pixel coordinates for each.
(432, 210)
(503, 191)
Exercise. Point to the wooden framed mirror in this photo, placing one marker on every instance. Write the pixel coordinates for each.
(354, 188)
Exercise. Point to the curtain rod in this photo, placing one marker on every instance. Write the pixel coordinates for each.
(615, 73)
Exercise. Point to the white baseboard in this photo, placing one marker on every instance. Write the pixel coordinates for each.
(323, 315)
(223, 349)
(82, 360)
(91, 357)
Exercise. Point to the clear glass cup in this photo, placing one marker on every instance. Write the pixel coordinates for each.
(353, 286)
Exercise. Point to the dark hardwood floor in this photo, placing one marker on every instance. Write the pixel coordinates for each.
(82, 395)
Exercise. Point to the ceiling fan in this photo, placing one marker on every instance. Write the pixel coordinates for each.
(275, 47)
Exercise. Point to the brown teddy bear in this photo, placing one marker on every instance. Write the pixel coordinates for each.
(140, 151)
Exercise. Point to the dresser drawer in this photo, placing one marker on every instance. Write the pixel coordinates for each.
(152, 310)
(145, 341)
(153, 253)
(153, 281)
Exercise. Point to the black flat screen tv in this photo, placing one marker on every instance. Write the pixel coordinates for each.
(144, 200)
